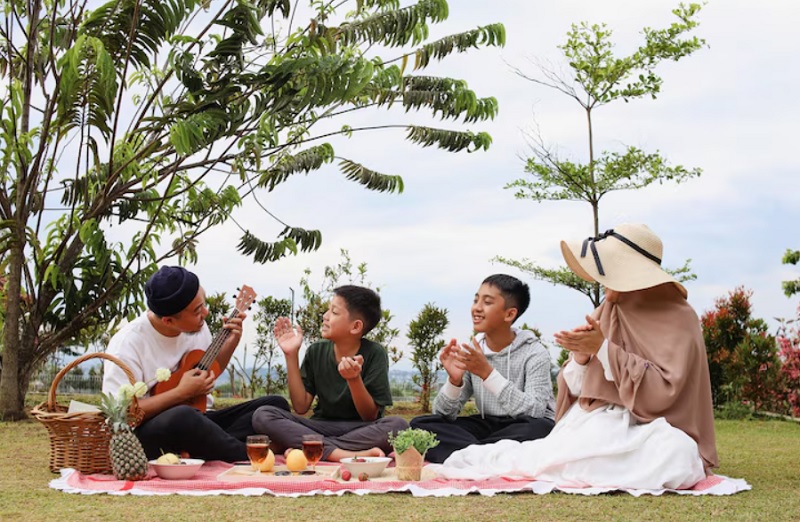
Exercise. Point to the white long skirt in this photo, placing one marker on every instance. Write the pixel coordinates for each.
(602, 448)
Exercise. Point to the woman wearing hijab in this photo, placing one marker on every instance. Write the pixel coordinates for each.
(634, 399)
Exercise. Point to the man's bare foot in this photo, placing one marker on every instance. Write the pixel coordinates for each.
(339, 454)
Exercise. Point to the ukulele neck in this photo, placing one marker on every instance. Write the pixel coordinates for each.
(216, 345)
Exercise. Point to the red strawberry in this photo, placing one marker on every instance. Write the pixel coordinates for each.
(346, 475)
(363, 476)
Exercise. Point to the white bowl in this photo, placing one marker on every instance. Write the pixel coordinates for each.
(372, 466)
(185, 470)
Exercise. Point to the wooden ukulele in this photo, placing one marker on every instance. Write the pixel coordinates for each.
(206, 360)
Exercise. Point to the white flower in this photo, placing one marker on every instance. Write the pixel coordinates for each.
(162, 374)
(139, 389)
(125, 392)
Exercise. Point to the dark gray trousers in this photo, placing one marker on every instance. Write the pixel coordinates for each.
(286, 430)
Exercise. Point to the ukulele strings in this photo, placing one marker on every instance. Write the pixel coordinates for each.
(211, 354)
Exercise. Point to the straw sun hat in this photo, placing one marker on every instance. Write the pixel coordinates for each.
(625, 258)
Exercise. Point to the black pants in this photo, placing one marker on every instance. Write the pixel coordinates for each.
(457, 434)
(216, 435)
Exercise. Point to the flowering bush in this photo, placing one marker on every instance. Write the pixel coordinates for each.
(789, 352)
(742, 358)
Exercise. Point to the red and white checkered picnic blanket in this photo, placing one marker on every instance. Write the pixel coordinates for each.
(207, 482)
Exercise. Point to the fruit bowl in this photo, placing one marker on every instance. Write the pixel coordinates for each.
(372, 466)
(185, 469)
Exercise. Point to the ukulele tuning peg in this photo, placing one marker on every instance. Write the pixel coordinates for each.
(238, 289)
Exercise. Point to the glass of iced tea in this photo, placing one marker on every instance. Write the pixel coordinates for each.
(312, 449)
(257, 450)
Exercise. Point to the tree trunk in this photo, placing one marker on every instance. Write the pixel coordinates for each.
(12, 403)
(425, 396)
(595, 200)
(12, 399)
(19, 353)
(18, 367)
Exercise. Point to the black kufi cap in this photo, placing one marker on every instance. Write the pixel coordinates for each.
(170, 290)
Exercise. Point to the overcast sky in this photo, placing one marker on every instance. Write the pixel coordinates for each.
(730, 109)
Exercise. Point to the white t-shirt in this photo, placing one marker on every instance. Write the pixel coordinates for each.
(144, 350)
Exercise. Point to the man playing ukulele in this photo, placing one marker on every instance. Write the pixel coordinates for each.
(167, 336)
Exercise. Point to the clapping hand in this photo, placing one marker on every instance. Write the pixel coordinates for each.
(473, 359)
(452, 364)
(289, 337)
(350, 367)
(583, 341)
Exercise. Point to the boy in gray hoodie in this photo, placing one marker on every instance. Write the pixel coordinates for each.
(506, 369)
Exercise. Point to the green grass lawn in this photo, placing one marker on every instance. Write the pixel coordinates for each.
(765, 453)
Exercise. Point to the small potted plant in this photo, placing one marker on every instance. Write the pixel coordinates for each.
(410, 446)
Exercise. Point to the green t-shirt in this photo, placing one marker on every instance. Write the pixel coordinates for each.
(320, 375)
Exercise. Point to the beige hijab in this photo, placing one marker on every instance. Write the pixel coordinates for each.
(659, 364)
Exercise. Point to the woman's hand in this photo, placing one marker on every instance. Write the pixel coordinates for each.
(583, 341)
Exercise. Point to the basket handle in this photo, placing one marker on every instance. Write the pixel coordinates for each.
(51, 397)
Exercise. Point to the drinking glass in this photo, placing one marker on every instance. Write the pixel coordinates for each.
(312, 449)
(257, 450)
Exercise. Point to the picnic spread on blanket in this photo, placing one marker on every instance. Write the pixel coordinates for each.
(220, 478)
(633, 411)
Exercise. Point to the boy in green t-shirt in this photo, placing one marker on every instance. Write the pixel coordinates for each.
(348, 374)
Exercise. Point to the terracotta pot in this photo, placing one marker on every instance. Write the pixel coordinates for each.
(409, 464)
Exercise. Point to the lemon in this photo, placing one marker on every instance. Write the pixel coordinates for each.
(296, 461)
(268, 462)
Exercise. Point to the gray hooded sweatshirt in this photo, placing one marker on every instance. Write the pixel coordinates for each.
(528, 389)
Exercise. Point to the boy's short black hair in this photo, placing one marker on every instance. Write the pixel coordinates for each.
(515, 293)
(363, 303)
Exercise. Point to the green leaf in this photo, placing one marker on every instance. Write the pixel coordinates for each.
(397, 27)
(291, 240)
(88, 86)
(452, 141)
(369, 178)
(304, 161)
(488, 35)
(137, 28)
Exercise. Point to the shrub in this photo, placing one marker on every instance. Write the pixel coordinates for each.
(788, 394)
(734, 411)
(424, 336)
(742, 358)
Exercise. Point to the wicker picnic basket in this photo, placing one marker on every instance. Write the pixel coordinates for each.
(80, 440)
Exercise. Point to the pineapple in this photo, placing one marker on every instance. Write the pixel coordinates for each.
(128, 460)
